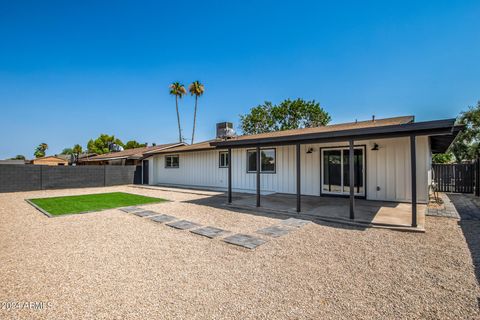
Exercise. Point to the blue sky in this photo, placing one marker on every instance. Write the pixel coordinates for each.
(72, 70)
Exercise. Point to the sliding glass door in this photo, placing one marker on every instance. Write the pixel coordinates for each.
(336, 170)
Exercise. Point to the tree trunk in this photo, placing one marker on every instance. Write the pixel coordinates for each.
(194, 118)
(178, 119)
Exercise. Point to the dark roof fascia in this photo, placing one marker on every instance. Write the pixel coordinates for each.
(174, 145)
(167, 151)
(437, 127)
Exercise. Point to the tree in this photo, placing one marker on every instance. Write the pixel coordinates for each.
(442, 158)
(40, 150)
(196, 89)
(67, 151)
(134, 144)
(285, 116)
(77, 149)
(178, 90)
(102, 144)
(18, 157)
(466, 145)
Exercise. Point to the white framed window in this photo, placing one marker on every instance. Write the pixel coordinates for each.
(267, 160)
(223, 159)
(172, 161)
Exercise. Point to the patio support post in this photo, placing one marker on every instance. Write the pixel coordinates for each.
(298, 178)
(413, 155)
(229, 175)
(352, 179)
(258, 176)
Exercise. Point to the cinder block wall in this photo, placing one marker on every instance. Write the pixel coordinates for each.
(118, 175)
(15, 177)
(34, 177)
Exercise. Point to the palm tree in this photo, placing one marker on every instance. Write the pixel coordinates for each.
(196, 89)
(178, 90)
(76, 151)
(40, 150)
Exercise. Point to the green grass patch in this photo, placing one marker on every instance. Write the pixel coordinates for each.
(91, 202)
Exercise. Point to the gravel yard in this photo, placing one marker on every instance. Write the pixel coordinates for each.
(115, 265)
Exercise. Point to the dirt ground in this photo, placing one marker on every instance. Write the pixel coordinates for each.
(114, 265)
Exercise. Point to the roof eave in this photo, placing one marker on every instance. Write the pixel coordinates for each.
(419, 128)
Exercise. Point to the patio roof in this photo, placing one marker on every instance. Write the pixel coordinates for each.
(382, 128)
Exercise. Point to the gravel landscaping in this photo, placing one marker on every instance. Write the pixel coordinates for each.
(112, 264)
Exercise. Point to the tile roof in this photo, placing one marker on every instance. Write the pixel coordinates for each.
(135, 153)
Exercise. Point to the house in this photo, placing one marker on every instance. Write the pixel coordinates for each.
(56, 160)
(125, 157)
(379, 159)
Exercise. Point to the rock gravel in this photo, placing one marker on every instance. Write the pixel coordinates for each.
(113, 265)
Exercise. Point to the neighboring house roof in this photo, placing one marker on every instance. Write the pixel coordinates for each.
(205, 145)
(135, 153)
(58, 157)
(86, 155)
(12, 161)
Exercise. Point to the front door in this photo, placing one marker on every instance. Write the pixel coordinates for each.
(336, 169)
(145, 171)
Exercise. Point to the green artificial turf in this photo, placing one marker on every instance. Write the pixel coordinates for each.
(91, 202)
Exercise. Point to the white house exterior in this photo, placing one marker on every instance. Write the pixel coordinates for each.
(386, 170)
(382, 164)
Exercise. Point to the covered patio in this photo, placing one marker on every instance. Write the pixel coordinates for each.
(351, 207)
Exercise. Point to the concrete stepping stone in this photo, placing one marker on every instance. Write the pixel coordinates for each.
(210, 232)
(163, 218)
(130, 209)
(244, 240)
(294, 222)
(274, 231)
(145, 213)
(183, 225)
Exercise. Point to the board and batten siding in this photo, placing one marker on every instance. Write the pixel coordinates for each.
(387, 170)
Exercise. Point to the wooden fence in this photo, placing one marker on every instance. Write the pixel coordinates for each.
(477, 177)
(456, 177)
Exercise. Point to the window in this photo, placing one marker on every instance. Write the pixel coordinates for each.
(172, 161)
(223, 161)
(267, 160)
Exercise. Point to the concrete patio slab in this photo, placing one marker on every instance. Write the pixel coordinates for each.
(367, 212)
(163, 218)
(145, 213)
(210, 232)
(183, 225)
(294, 222)
(244, 240)
(130, 209)
(274, 231)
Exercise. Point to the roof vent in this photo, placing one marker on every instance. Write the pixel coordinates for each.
(225, 130)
